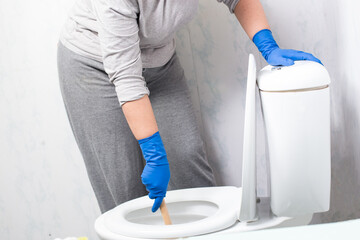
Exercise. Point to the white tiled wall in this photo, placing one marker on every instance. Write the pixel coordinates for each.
(44, 190)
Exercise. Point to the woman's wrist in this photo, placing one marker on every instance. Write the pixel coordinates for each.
(265, 42)
(153, 149)
(143, 140)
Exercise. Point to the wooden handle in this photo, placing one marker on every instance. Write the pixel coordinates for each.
(165, 213)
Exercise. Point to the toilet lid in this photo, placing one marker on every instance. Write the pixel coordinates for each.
(225, 199)
(248, 201)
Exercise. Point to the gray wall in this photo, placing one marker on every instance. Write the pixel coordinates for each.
(44, 188)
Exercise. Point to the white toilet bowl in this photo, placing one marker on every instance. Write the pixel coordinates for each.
(193, 212)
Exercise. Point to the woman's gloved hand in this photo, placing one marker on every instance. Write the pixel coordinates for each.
(156, 174)
(276, 56)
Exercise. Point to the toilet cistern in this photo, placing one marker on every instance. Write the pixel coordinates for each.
(296, 110)
(295, 107)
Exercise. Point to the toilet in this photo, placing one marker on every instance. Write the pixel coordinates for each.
(295, 103)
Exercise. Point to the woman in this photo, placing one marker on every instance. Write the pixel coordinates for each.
(111, 55)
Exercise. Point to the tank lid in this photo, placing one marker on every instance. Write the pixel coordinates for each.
(301, 75)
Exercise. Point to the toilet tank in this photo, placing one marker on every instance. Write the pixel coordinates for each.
(296, 110)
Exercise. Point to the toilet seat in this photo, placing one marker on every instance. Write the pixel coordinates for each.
(222, 203)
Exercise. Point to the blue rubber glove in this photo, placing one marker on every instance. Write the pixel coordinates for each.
(276, 56)
(156, 173)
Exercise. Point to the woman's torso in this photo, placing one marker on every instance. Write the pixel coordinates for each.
(158, 20)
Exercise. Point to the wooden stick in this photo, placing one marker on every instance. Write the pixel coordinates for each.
(165, 213)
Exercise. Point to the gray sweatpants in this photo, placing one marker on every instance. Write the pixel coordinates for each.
(111, 153)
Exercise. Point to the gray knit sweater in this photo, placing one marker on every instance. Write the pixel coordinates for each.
(128, 35)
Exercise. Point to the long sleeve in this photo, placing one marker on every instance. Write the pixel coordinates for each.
(120, 47)
(230, 3)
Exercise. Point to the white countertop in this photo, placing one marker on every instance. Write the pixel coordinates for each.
(330, 231)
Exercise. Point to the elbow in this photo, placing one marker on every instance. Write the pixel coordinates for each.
(231, 4)
(130, 89)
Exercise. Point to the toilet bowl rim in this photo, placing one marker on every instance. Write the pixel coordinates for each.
(225, 216)
(183, 195)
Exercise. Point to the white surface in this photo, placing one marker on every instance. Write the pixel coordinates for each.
(298, 133)
(248, 202)
(330, 231)
(301, 75)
